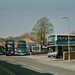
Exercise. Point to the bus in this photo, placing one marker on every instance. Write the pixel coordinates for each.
(21, 47)
(57, 44)
(39, 48)
(35, 48)
(44, 48)
(9, 47)
(1, 50)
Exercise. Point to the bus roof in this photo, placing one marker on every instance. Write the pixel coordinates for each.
(61, 35)
(21, 41)
(9, 40)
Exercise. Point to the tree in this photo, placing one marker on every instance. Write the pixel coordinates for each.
(25, 35)
(73, 32)
(42, 28)
(10, 38)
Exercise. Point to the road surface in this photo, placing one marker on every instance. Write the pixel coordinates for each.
(21, 65)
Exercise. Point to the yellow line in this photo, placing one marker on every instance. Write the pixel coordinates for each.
(8, 71)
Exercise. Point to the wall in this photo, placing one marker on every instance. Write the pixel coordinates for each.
(65, 55)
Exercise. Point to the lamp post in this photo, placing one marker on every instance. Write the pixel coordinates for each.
(68, 39)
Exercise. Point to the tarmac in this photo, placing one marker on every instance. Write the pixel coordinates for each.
(43, 58)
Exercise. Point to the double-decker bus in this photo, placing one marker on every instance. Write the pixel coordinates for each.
(57, 44)
(1, 50)
(9, 47)
(21, 47)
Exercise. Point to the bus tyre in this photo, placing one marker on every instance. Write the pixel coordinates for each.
(57, 56)
(49, 56)
(6, 54)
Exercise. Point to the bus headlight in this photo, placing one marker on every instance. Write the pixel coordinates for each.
(19, 50)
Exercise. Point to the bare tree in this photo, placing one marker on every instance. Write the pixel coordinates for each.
(42, 28)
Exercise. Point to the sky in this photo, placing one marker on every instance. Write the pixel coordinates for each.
(19, 16)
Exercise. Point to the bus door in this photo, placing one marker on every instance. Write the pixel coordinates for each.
(60, 51)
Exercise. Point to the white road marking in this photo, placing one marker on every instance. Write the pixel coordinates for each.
(11, 60)
(7, 70)
(55, 74)
(36, 68)
(4, 58)
(21, 63)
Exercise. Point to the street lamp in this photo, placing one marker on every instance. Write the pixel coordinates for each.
(68, 39)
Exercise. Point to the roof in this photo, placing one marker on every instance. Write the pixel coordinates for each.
(15, 44)
(2, 44)
(62, 35)
(28, 40)
(60, 45)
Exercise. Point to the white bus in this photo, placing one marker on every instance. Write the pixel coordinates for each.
(57, 44)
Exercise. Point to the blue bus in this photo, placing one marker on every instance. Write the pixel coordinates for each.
(9, 47)
(21, 47)
(1, 50)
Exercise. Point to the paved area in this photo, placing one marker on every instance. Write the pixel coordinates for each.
(33, 65)
(54, 62)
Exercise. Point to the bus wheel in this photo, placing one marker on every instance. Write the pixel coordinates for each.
(6, 54)
(49, 56)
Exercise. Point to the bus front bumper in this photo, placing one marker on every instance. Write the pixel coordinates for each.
(21, 53)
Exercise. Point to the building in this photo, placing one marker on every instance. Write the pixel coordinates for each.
(59, 43)
(29, 41)
(2, 44)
